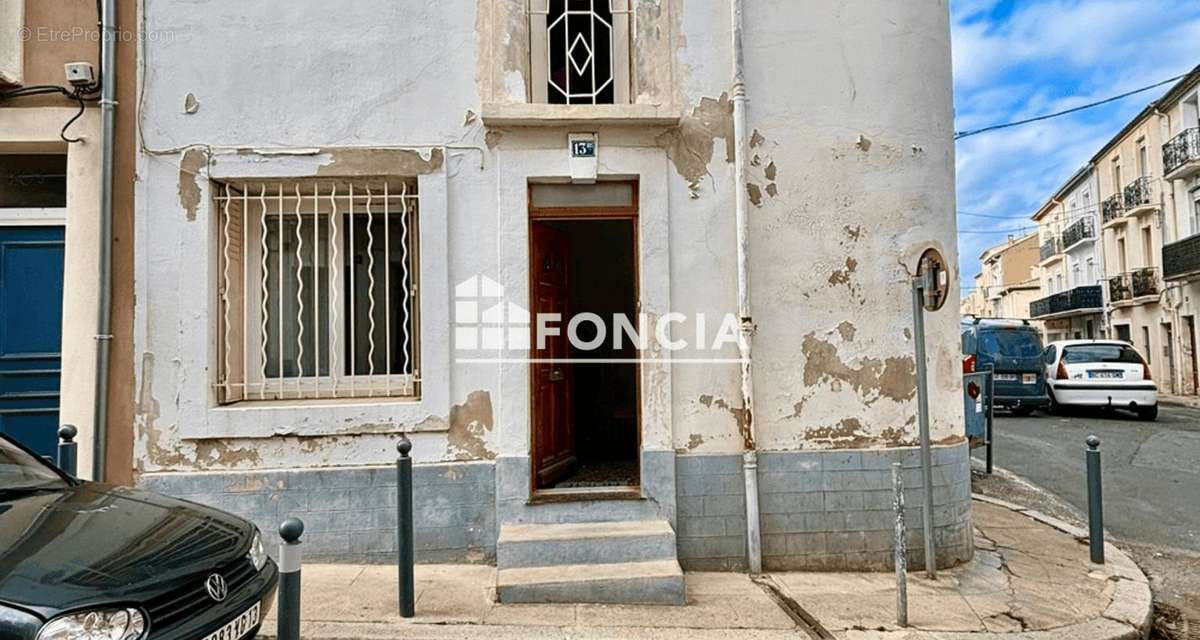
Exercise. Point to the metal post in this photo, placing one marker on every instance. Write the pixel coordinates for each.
(68, 449)
(918, 297)
(404, 526)
(1095, 501)
(900, 548)
(289, 580)
(991, 413)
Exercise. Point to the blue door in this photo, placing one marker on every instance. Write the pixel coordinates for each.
(31, 294)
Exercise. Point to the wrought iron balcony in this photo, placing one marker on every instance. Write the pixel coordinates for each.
(1080, 230)
(1138, 194)
(1145, 282)
(1051, 247)
(1181, 156)
(1181, 260)
(1078, 299)
(1112, 208)
(1119, 288)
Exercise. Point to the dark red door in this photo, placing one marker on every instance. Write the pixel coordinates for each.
(553, 440)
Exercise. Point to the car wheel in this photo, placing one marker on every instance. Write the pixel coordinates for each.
(1149, 413)
(1053, 408)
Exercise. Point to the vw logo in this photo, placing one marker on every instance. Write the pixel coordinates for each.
(216, 587)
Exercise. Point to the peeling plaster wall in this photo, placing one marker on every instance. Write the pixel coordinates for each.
(851, 174)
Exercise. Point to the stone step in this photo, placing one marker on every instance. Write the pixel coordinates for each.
(653, 582)
(540, 545)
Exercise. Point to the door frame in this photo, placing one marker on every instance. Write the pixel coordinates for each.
(537, 215)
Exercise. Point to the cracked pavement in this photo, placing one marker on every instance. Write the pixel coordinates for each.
(1027, 578)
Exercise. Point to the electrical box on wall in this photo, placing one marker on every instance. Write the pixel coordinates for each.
(583, 157)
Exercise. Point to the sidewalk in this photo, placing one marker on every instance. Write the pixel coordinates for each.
(1031, 579)
(1179, 401)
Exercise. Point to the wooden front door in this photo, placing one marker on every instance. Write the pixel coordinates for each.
(553, 440)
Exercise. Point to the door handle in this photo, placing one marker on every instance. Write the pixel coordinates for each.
(556, 375)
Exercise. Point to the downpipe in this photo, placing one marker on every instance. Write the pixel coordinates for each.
(745, 319)
(108, 103)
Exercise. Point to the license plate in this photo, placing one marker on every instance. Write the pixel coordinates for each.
(1106, 375)
(1006, 377)
(238, 627)
(1029, 378)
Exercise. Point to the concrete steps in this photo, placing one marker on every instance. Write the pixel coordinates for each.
(596, 562)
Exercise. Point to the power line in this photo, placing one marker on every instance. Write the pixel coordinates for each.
(1019, 230)
(992, 216)
(966, 134)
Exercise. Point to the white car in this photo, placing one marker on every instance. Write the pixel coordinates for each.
(1099, 373)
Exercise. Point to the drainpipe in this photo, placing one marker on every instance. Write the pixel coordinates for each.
(108, 103)
(746, 323)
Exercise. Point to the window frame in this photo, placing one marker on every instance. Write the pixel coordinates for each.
(244, 334)
(537, 12)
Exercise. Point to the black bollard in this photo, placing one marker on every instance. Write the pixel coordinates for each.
(1095, 501)
(404, 526)
(289, 580)
(68, 449)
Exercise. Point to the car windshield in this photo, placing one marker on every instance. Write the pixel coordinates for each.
(1014, 344)
(19, 470)
(1114, 353)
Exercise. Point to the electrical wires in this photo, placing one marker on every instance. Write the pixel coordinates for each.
(973, 132)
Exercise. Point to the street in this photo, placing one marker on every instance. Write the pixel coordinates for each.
(1151, 489)
(1151, 469)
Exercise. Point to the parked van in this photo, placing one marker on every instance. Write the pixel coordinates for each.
(1013, 350)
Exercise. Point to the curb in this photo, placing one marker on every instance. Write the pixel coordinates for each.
(1176, 401)
(1132, 605)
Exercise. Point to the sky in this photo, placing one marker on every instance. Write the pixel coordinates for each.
(1016, 59)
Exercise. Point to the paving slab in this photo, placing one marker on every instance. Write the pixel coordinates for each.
(1029, 580)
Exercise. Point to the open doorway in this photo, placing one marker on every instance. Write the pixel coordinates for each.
(586, 435)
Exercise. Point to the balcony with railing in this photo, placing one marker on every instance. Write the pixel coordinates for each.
(1051, 247)
(1079, 231)
(1077, 301)
(1112, 208)
(1144, 282)
(1139, 196)
(1119, 288)
(1181, 260)
(1181, 155)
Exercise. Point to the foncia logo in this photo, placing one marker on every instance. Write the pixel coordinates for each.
(489, 328)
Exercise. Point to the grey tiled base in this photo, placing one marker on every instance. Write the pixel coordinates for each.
(821, 510)
(349, 514)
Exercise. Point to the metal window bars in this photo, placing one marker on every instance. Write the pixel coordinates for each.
(317, 289)
(580, 36)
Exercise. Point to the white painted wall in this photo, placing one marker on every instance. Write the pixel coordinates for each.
(852, 104)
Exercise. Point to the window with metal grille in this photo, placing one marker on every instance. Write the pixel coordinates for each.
(317, 288)
(579, 51)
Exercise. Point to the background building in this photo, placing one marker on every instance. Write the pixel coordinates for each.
(1071, 262)
(1008, 282)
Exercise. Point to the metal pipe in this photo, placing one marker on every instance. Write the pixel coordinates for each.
(745, 319)
(991, 414)
(108, 103)
(918, 295)
(900, 546)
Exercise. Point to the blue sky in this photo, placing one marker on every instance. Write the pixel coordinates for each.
(1016, 59)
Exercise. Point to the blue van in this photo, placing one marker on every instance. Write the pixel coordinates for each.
(1013, 350)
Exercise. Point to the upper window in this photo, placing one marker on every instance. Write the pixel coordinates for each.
(33, 181)
(579, 51)
(317, 288)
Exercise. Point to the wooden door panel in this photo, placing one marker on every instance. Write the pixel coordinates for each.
(553, 444)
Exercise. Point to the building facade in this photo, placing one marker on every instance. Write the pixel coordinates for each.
(1181, 253)
(1071, 262)
(330, 256)
(1133, 199)
(50, 195)
(1008, 282)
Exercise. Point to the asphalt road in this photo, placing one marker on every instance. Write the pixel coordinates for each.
(1151, 469)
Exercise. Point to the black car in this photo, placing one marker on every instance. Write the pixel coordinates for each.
(86, 561)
